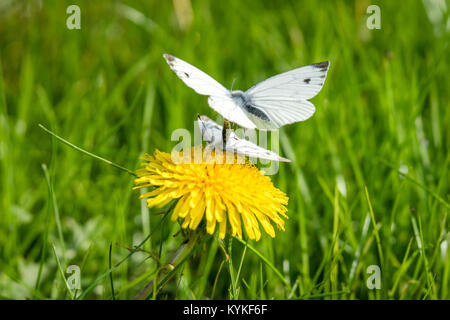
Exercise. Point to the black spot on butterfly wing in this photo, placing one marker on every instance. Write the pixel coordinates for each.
(256, 112)
(181, 74)
(307, 80)
(169, 57)
(323, 66)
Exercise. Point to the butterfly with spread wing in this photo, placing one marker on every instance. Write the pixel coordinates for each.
(270, 104)
(215, 136)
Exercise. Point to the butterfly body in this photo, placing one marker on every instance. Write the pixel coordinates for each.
(239, 96)
(243, 100)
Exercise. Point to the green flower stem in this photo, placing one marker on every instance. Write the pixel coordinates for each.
(180, 256)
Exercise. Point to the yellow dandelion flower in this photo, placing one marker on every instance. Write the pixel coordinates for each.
(220, 193)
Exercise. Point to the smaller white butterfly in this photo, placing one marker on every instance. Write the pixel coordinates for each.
(270, 104)
(213, 134)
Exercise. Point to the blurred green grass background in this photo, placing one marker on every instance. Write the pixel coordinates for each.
(384, 110)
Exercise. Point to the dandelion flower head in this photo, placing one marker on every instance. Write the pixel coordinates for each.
(235, 194)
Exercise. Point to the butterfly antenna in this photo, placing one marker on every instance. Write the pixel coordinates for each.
(232, 84)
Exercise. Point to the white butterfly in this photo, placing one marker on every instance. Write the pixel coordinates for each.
(213, 134)
(270, 104)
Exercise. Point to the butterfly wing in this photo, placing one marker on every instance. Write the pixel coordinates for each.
(282, 98)
(195, 78)
(212, 133)
(228, 108)
(248, 148)
(279, 112)
(220, 98)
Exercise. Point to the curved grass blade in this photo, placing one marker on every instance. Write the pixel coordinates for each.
(270, 265)
(115, 165)
(61, 271)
